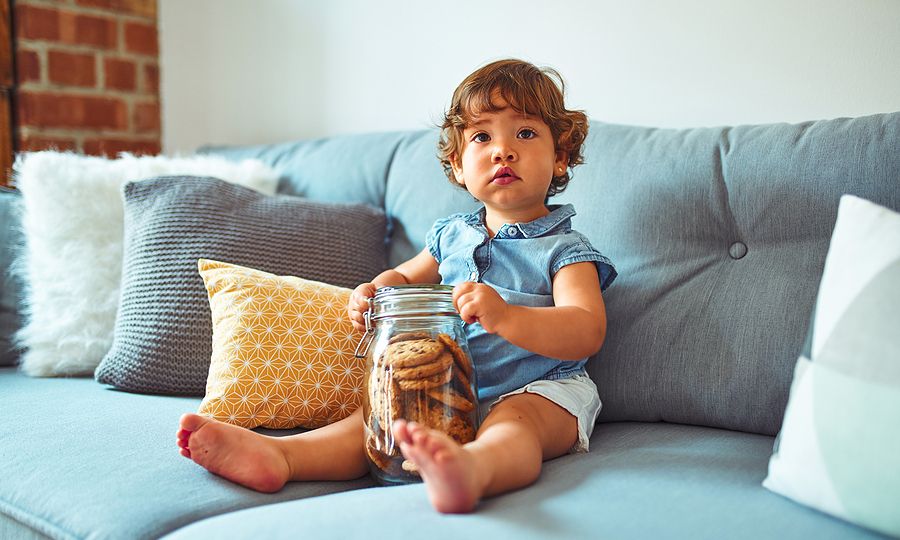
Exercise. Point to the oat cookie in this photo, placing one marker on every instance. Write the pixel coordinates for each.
(416, 408)
(434, 415)
(384, 399)
(377, 404)
(409, 336)
(464, 384)
(462, 359)
(451, 398)
(395, 403)
(425, 383)
(458, 427)
(411, 353)
(437, 367)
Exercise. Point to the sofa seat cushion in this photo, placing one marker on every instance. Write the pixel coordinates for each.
(640, 480)
(79, 460)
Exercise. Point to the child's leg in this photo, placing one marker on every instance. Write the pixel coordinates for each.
(516, 437)
(333, 452)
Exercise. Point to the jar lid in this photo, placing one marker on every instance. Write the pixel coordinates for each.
(419, 300)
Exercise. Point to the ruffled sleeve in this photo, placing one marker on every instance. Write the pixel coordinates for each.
(433, 238)
(581, 250)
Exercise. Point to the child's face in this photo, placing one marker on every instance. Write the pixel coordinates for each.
(508, 160)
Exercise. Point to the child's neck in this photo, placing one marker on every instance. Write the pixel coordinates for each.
(496, 218)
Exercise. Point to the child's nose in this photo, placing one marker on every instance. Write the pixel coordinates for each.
(503, 152)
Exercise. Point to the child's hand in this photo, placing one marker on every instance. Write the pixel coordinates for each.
(359, 304)
(477, 302)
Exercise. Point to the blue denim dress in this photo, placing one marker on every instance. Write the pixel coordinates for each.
(519, 262)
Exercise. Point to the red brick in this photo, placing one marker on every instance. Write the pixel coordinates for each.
(111, 147)
(141, 8)
(141, 38)
(90, 30)
(28, 66)
(36, 143)
(120, 74)
(71, 111)
(146, 117)
(151, 79)
(72, 69)
(37, 23)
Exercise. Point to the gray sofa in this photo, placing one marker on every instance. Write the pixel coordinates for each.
(719, 236)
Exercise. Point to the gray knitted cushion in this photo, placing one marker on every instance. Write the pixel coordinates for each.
(10, 288)
(163, 335)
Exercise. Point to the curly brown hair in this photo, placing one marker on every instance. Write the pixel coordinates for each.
(527, 89)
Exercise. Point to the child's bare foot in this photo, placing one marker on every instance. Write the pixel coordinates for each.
(448, 470)
(233, 452)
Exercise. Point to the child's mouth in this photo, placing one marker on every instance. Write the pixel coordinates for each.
(504, 176)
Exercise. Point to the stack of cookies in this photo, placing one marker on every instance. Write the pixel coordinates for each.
(422, 379)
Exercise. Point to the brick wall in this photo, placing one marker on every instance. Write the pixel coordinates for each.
(88, 76)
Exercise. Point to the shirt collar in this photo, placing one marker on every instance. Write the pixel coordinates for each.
(559, 213)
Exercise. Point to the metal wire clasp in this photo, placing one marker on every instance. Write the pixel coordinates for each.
(369, 335)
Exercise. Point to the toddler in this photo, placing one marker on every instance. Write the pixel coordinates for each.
(527, 286)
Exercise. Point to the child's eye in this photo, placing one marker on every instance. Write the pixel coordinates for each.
(480, 137)
(527, 134)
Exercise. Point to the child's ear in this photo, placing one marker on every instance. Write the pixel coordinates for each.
(562, 162)
(457, 170)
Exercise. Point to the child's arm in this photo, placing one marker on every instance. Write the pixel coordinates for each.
(422, 268)
(572, 329)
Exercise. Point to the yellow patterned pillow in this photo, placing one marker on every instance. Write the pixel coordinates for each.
(283, 350)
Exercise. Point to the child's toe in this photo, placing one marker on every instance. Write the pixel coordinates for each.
(400, 431)
(192, 422)
(419, 437)
(434, 444)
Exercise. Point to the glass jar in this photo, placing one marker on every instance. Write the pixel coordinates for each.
(418, 368)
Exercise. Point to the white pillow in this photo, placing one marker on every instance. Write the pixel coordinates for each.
(73, 225)
(839, 446)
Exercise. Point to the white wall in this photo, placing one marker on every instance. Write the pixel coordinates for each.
(260, 71)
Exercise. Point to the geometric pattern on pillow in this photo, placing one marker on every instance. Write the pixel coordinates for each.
(163, 333)
(283, 350)
(839, 446)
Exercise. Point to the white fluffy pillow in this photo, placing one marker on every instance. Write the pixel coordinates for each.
(73, 226)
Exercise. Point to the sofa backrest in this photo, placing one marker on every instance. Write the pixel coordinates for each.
(719, 236)
(398, 172)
